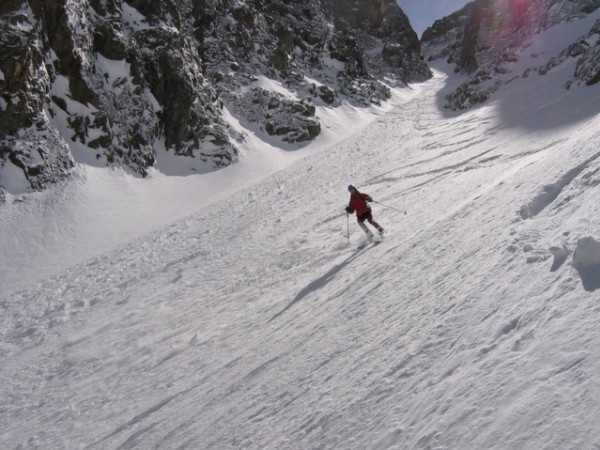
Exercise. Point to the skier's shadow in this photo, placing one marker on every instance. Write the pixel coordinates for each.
(319, 282)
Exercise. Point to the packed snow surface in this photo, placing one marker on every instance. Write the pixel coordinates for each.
(244, 309)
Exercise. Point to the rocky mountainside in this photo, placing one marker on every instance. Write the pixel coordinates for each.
(112, 82)
(485, 38)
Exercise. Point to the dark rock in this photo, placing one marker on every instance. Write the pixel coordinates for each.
(118, 78)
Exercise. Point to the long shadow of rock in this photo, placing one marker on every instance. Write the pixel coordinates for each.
(586, 261)
(318, 283)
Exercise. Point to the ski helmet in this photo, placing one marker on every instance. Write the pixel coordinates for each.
(351, 187)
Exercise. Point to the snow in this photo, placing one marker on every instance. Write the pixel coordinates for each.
(114, 72)
(240, 308)
(133, 18)
(13, 178)
(273, 86)
(556, 39)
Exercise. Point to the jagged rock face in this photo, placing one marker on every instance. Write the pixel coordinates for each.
(29, 142)
(383, 32)
(109, 82)
(485, 35)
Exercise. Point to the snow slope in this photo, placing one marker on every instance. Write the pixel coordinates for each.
(236, 312)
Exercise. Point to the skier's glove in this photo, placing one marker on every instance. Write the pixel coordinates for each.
(369, 198)
(349, 210)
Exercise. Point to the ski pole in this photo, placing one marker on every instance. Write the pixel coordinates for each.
(387, 206)
(348, 226)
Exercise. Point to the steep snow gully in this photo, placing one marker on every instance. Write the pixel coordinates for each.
(255, 322)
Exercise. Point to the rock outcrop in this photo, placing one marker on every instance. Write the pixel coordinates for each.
(109, 82)
(486, 36)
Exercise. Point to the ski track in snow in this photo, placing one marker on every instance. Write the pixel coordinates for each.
(255, 323)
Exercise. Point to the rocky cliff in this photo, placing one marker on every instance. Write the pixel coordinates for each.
(112, 82)
(484, 38)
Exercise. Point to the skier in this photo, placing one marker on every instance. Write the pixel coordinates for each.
(359, 203)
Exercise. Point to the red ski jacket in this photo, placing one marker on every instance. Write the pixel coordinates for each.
(358, 203)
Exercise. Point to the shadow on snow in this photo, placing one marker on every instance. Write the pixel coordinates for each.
(537, 102)
(319, 282)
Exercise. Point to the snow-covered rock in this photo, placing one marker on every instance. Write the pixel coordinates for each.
(111, 83)
(494, 41)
